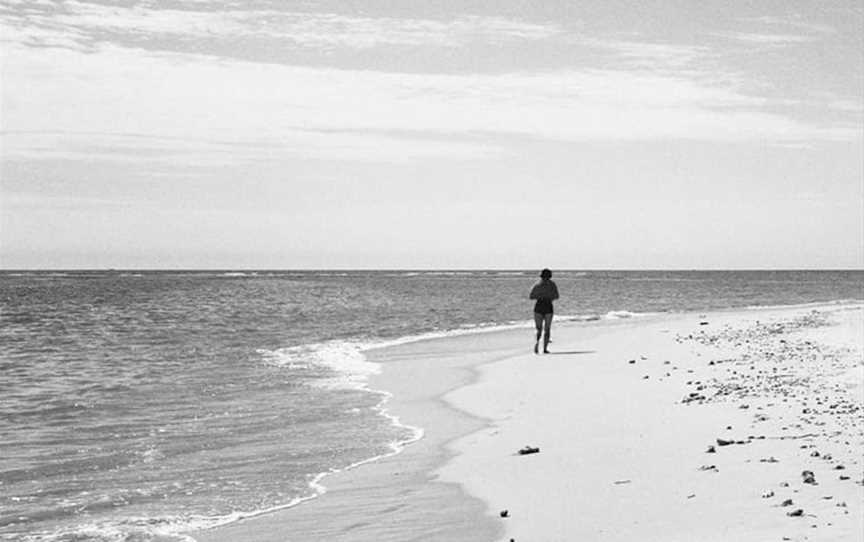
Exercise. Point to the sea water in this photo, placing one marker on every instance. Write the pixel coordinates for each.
(137, 405)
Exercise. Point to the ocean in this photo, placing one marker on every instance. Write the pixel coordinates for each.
(137, 405)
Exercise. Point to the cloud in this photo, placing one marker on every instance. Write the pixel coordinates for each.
(86, 23)
(778, 31)
(795, 21)
(153, 153)
(766, 38)
(848, 106)
(217, 110)
(656, 55)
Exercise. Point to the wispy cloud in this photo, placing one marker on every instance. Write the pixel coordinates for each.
(67, 70)
(655, 55)
(152, 153)
(81, 24)
(221, 109)
(850, 106)
(766, 38)
(778, 31)
(794, 20)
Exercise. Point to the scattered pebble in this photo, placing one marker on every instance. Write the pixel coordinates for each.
(793, 387)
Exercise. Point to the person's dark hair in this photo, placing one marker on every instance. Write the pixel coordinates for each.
(546, 274)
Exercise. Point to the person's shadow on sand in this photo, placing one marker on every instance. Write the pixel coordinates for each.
(575, 352)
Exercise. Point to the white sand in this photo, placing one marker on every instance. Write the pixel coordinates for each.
(620, 453)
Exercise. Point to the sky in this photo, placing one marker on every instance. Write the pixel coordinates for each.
(431, 134)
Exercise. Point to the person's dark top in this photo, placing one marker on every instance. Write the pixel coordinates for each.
(545, 292)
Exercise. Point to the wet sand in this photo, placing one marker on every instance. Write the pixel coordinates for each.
(675, 427)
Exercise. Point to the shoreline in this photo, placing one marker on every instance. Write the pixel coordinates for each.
(431, 485)
(365, 503)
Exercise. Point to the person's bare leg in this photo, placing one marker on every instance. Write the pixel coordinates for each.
(538, 323)
(547, 332)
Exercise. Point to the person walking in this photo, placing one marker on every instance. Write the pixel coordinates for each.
(545, 292)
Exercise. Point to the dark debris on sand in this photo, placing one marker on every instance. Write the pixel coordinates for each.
(772, 371)
(774, 366)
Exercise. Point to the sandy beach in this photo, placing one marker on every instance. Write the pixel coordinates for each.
(732, 425)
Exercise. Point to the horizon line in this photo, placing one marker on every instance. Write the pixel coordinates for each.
(406, 269)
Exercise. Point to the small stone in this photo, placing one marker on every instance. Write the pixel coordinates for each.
(808, 477)
(504, 513)
(529, 450)
(711, 450)
(787, 502)
(768, 495)
(795, 513)
(723, 442)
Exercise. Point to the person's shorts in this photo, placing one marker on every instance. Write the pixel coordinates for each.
(543, 306)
